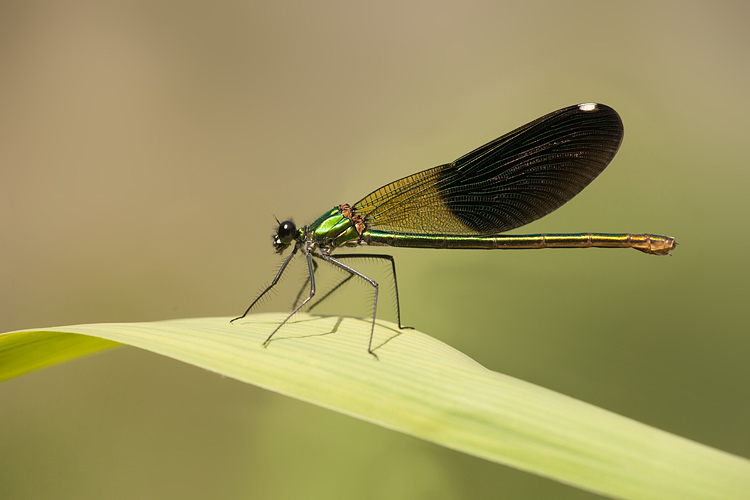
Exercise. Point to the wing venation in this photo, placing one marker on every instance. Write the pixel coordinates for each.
(504, 184)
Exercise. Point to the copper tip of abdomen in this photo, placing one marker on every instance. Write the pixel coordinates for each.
(663, 249)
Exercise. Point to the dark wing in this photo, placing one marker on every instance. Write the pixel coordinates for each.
(505, 184)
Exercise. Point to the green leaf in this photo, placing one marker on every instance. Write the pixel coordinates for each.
(422, 387)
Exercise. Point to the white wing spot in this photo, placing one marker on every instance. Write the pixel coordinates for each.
(588, 106)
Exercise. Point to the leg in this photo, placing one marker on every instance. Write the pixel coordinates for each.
(330, 292)
(304, 285)
(371, 281)
(311, 269)
(273, 283)
(393, 269)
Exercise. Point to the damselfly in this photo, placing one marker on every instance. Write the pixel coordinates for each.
(503, 185)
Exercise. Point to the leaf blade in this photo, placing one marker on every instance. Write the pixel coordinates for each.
(426, 389)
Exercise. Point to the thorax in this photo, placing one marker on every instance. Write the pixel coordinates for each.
(337, 227)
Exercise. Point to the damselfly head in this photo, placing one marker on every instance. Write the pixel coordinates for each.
(284, 235)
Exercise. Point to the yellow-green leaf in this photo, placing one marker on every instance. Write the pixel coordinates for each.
(422, 387)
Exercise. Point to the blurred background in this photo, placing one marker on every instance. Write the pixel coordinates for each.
(145, 147)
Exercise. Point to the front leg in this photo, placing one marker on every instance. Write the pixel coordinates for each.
(273, 283)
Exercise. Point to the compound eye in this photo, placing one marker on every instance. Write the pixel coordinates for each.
(287, 230)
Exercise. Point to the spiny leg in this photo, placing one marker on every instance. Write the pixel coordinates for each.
(304, 285)
(273, 283)
(330, 292)
(371, 281)
(395, 281)
(311, 270)
(341, 283)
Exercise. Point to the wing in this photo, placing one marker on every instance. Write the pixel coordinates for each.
(505, 184)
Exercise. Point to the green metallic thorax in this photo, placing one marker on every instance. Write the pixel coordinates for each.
(333, 230)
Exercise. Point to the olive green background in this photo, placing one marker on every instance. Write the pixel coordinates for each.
(145, 148)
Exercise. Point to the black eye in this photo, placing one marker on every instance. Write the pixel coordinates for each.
(286, 232)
